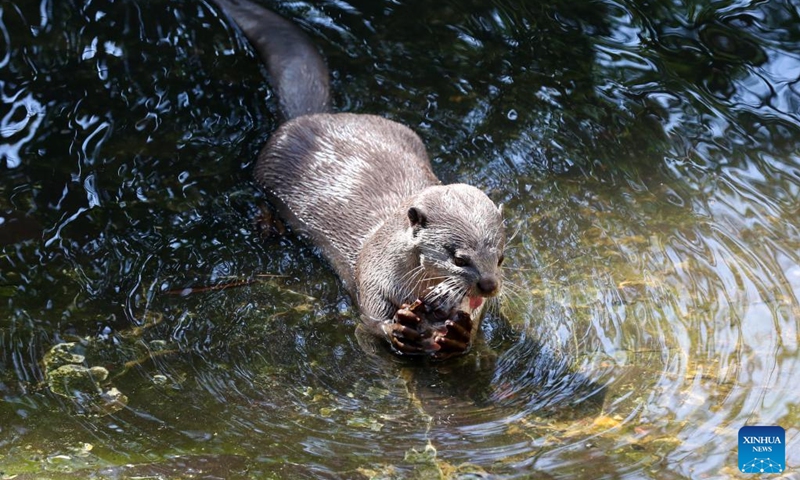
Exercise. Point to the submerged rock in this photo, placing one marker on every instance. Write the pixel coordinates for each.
(63, 354)
(110, 401)
(67, 375)
(72, 381)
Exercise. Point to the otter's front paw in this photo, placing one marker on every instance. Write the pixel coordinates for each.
(404, 332)
(455, 340)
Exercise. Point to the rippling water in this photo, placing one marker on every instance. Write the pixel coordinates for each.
(647, 157)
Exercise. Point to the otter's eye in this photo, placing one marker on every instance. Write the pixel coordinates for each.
(500, 260)
(460, 261)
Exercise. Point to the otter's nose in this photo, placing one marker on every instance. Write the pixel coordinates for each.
(487, 286)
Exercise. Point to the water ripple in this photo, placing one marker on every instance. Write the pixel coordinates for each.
(646, 155)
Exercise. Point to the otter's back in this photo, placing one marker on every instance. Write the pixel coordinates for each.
(337, 177)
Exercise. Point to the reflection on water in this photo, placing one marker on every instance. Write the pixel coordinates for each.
(647, 156)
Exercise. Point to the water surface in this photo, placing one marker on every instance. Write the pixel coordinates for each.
(647, 157)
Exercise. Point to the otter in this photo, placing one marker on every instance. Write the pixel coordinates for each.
(418, 257)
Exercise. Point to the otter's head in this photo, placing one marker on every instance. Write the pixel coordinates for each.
(459, 236)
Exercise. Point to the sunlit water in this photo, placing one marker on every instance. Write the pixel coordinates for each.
(647, 158)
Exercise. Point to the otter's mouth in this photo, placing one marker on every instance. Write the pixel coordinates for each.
(475, 302)
(446, 306)
(472, 305)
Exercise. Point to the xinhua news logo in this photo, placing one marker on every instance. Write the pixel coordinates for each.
(762, 449)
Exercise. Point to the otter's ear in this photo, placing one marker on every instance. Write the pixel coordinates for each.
(417, 217)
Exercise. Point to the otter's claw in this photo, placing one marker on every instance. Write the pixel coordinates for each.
(456, 339)
(403, 331)
(411, 334)
(405, 316)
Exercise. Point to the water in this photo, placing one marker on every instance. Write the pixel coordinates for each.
(646, 154)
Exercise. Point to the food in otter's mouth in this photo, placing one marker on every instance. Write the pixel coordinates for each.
(475, 303)
(438, 331)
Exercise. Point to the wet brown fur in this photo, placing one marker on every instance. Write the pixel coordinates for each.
(361, 188)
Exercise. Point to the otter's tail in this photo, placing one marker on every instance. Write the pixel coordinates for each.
(297, 70)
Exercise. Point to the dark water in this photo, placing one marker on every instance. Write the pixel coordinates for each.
(647, 157)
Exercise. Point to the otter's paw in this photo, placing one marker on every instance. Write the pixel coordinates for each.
(404, 332)
(456, 338)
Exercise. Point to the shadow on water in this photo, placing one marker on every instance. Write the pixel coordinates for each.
(647, 157)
